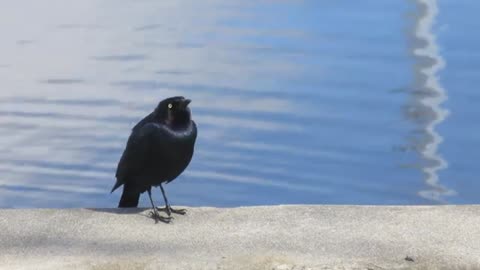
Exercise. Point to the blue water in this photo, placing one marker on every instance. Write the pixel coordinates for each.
(325, 102)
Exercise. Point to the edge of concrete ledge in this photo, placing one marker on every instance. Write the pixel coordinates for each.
(255, 237)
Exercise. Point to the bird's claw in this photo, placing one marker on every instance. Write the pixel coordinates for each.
(179, 211)
(169, 210)
(156, 216)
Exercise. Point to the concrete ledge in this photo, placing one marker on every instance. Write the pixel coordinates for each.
(270, 237)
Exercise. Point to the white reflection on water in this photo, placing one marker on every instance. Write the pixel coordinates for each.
(428, 96)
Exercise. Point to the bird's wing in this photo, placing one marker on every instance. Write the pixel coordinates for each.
(136, 151)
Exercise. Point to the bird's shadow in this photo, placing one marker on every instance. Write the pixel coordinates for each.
(127, 211)
(123, 211)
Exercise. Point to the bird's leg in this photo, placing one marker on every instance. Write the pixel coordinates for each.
(155, 215)
(168, 208)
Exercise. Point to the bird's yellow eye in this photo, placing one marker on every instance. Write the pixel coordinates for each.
(170, 105)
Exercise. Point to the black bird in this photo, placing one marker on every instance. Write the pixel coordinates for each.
(158, 150)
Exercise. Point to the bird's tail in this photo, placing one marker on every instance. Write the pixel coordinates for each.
(129, 197)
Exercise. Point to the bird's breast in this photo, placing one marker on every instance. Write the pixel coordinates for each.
(171, 152)
(173, 157)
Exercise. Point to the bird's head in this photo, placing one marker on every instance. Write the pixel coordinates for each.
(174, 112)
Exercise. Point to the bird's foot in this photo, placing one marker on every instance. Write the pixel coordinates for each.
(156, 216)
(169, 210)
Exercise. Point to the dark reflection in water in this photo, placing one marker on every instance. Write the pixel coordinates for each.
(296, 101)
(63, 81)
(148, 27)
(24, 42)
(126, 57)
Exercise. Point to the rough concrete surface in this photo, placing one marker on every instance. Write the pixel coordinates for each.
(268, 237)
